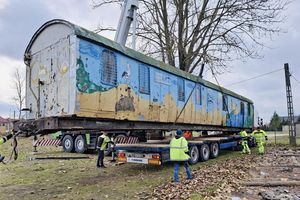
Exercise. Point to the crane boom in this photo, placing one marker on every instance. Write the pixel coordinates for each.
(128, 16)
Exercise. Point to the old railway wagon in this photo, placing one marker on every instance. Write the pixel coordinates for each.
(79, 80)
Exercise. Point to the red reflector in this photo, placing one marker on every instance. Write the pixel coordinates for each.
(157, 157)
(121, 155)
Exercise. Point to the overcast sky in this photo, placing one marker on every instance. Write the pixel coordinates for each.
(20, 19)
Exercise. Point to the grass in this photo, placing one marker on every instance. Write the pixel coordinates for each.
(27, 178)
(281, 139)
(73, 179)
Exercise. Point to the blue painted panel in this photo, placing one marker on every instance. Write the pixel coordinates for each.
(161, 83)
(90, 55)
(228, 145)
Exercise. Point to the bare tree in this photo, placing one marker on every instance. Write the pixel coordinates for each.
(185, 33)
(19, 86)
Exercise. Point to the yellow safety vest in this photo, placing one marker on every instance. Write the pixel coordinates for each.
(178, 149)
(259, 135)
(1, 141)
(105, 141)
(243, 134)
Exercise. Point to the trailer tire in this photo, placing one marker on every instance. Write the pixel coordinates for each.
(68, 143)
(204, 152)
(214, 150)
(194, 154)
(80, 144)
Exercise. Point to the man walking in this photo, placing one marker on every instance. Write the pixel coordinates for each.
(260, 138)
(244, 136)
(179, 155)
(102, 142)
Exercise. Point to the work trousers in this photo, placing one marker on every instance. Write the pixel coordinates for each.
(100, 158)
(260, 146)
(176, 170)
(246, 148)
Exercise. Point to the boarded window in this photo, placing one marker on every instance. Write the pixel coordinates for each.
(198, 95)
(109, 68)
(242, 108)
(225, 102)
(249, 109)
(144, 79)
(180, 86)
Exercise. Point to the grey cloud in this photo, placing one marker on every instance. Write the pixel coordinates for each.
(18, 22)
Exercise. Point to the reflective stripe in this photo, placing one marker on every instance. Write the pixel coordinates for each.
(178, 147)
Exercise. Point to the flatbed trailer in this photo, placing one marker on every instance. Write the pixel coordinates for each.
(158, 152)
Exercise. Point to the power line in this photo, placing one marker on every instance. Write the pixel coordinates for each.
(295, 78)
(255, 77)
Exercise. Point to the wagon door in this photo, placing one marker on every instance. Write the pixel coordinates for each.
(163, 79)
(47, 83)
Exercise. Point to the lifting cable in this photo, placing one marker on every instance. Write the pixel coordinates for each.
(258, 76)
(14, 152)
(226, 103)
(295, 78)
(223, 95)
(199, 75)
(221, 89)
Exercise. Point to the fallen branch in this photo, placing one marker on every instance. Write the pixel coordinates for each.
(273, 183)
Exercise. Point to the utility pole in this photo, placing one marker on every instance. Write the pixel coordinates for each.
(291, 119)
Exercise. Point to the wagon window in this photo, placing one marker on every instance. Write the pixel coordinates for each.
(242, 108)
(180, 87)
(109, 68)
(198, 95)
(144, 79)
(249, 109)
(225, 102)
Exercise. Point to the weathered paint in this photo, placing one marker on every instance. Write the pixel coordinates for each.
(125, 101)
(71, 69)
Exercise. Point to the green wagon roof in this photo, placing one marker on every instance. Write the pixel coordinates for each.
(84, 33)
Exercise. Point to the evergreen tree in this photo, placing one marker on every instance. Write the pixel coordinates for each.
(275, 122)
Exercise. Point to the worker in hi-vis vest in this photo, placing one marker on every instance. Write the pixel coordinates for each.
(179, 155)
(246, 148)
(102, 143)
(2, 141)
(260, 138)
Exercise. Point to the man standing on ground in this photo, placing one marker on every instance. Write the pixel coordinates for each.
(179, 155)
(102, 142)
(244, 136)
(260, 137)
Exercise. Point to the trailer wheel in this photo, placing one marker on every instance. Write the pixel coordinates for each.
(194, 153)
(204, 152)
(68, 143)
(80, 144)
(214, 150)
